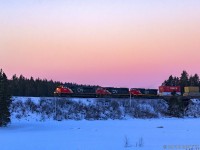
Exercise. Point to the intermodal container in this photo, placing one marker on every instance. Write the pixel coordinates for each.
(189, 89)
(169, 89)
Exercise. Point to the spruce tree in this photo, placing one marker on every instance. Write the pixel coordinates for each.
(5, 100)
(194, 80)
(184, 80)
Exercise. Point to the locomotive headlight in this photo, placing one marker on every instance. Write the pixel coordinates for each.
(58, 90)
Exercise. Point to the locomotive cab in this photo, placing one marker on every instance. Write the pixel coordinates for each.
(63, 91)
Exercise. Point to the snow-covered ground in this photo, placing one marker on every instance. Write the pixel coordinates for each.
(130, 134)
(33, 127)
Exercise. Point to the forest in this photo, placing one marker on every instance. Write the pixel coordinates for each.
(22, 86)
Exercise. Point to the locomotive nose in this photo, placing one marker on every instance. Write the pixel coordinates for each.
(57, 91)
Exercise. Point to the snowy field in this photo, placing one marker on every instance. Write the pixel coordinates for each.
(130, 134)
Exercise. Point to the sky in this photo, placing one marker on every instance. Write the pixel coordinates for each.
(120, 43)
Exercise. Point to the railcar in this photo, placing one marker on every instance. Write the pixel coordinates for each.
(137, 91)
(169, 90)
(144, 93)
(118, 92)
(75, 91)
(191, 91)
(63, 91)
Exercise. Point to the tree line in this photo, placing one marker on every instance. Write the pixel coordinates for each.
(21, 86)
(184, 80)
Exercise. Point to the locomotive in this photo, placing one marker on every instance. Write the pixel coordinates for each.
(106, 92)
(92, 92)
(143, 93)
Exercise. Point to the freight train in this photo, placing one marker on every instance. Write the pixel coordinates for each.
(113, 92)
(106, 92)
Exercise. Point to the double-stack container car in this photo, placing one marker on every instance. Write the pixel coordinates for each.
(169, 90)
(191, 91)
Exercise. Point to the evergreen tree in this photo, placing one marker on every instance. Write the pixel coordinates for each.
(194, 80)
(176, 81)
(5, 100)
(14, 85)
(171, 81)
(184, 80)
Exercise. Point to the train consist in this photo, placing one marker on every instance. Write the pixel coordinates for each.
(112, 92)
(93, 92)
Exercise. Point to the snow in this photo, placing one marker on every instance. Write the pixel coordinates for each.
(35, 129)
(196, 101)
(153, 134)
(94, 109)
(23, 99)
(86, 101)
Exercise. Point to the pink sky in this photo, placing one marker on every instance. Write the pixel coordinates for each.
(133, 43)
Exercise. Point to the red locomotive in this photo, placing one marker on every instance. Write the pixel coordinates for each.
(61, 90)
